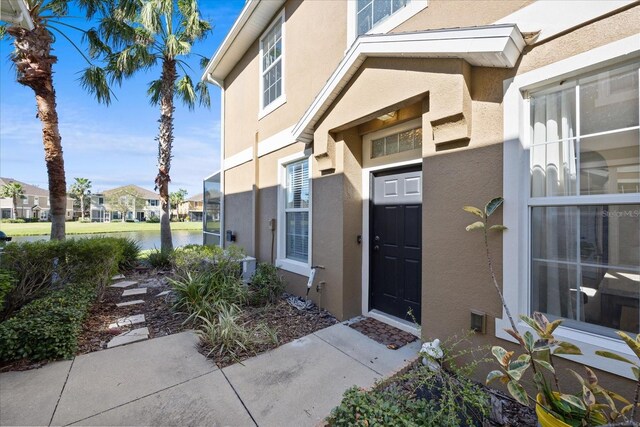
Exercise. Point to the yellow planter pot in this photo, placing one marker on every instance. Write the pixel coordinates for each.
(545, 418)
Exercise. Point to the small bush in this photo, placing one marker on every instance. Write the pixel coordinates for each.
(266, 285)
(130, 252)
(153, 219)
(14, 221)
(47, 328)
(159, 259)
(7, 284)
(84, 220)
(228, 336)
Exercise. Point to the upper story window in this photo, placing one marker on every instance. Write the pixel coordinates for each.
(272, 66)
(101, 200)
(371, 12)
(36, 200)
(584, 207)
(153, 202)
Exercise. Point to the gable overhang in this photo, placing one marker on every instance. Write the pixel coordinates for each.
(16, 12)
(489, 46)
(254, 18)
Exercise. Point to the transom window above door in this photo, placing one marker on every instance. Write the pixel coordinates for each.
(371, 12)
(393, 144)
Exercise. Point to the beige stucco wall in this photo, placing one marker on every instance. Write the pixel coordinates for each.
(311, 53)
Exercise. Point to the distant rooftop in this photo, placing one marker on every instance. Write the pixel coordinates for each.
(29, 190)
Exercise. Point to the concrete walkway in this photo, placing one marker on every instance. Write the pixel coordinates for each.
(165, 381)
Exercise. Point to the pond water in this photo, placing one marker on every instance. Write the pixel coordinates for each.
(147, 239)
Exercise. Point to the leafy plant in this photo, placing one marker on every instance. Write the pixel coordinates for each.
(159, 259)
(593, 405)
(7, 284)
(266, 285)
(47, 328)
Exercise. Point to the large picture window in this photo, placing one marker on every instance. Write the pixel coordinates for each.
(584, 204)
(271, 48)
(371, 12)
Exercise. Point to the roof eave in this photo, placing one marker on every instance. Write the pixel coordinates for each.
(21, 16)
(246, 29)
(488, 46)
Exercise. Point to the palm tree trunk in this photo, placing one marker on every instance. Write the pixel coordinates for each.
(15, 207)
(82, 206)
(34, 63)
(165, 143)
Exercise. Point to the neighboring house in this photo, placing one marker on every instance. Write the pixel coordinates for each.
(34, 204)
(355, 137)
(146, 206)
(192, 207)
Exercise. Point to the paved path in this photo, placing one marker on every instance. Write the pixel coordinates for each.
(165, 381)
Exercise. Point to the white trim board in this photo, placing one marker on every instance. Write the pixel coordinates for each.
(275, 142)
(238, 159)
(515, 253)
(490, 46)
(536, 16)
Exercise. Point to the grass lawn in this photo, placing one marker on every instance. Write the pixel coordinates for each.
(44, 228)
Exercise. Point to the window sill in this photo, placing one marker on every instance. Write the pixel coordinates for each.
(588, 342)
(293, 266)
(275, 104)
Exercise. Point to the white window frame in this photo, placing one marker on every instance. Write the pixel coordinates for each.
(282, 99)
(516, 188)
(383, 26)
(390, 158)
(301, 268)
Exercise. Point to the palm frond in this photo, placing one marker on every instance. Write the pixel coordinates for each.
(93, 7)
(175, 47)
(127, 62)
(204, 61)
(97, 47)
(204, 99)
(3, 31)
(150, 17)
(116, 32)
(154, 91)
(56, 7)
(128, 9)
(94, 81)
(70, 41)
(186, 91)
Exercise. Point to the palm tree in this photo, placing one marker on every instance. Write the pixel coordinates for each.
(14, 191)
(176, 199)
(159, 32)
(81, 189)
(34, 62)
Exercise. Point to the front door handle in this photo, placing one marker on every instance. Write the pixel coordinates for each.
(376, 238)
(376, 247)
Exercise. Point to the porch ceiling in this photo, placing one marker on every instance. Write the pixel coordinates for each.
(489, 46)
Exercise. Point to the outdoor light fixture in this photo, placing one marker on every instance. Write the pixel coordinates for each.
(388, 116)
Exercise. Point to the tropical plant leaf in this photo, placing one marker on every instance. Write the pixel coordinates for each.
(631, 343)
(545, 365)
(574, 401)
(518, 392)
(587, 396)
(493, 205)
(592, 379)
(564, 347)
(94, 81)
(517, 368)
(478, 225)
(498, 227)
(529, 321)
(515, 335)
(474, 210)
(494, 375)
(186, 91)
(636, 372)
(617, 397)
(502, 356)
(552, 326)
(627, 408)
(529, 341)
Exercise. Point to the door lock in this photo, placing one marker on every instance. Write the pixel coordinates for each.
(376, 239)
(376, 248)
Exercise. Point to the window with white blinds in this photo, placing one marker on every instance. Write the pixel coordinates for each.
(296, 211)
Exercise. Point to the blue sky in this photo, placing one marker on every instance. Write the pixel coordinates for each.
(113, 145)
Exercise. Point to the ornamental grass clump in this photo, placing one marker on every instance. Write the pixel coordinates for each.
(593, 405)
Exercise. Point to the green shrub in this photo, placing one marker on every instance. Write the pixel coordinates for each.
(7, 284)
(47, 328)
(159, 259)
(266, 285)
(391, 407)
(14, 221)
(195, 258)
(39, 267)
(130, 250)
(153, 219)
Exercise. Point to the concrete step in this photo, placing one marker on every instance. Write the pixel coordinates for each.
(124, 284)
(118, 277)
(134, 302)
(128, 321)
(136, 291)
(132, 336)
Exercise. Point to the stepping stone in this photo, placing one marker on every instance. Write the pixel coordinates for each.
(124, 284)
(118, 277)
(134, 335)
(127, 321)
(134, 302)
(163, 293)
(137, 291)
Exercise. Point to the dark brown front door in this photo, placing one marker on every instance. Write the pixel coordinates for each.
(396, 244)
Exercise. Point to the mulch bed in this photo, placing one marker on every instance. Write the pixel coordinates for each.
(288, 323)
(387, 335)
(159, 317)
